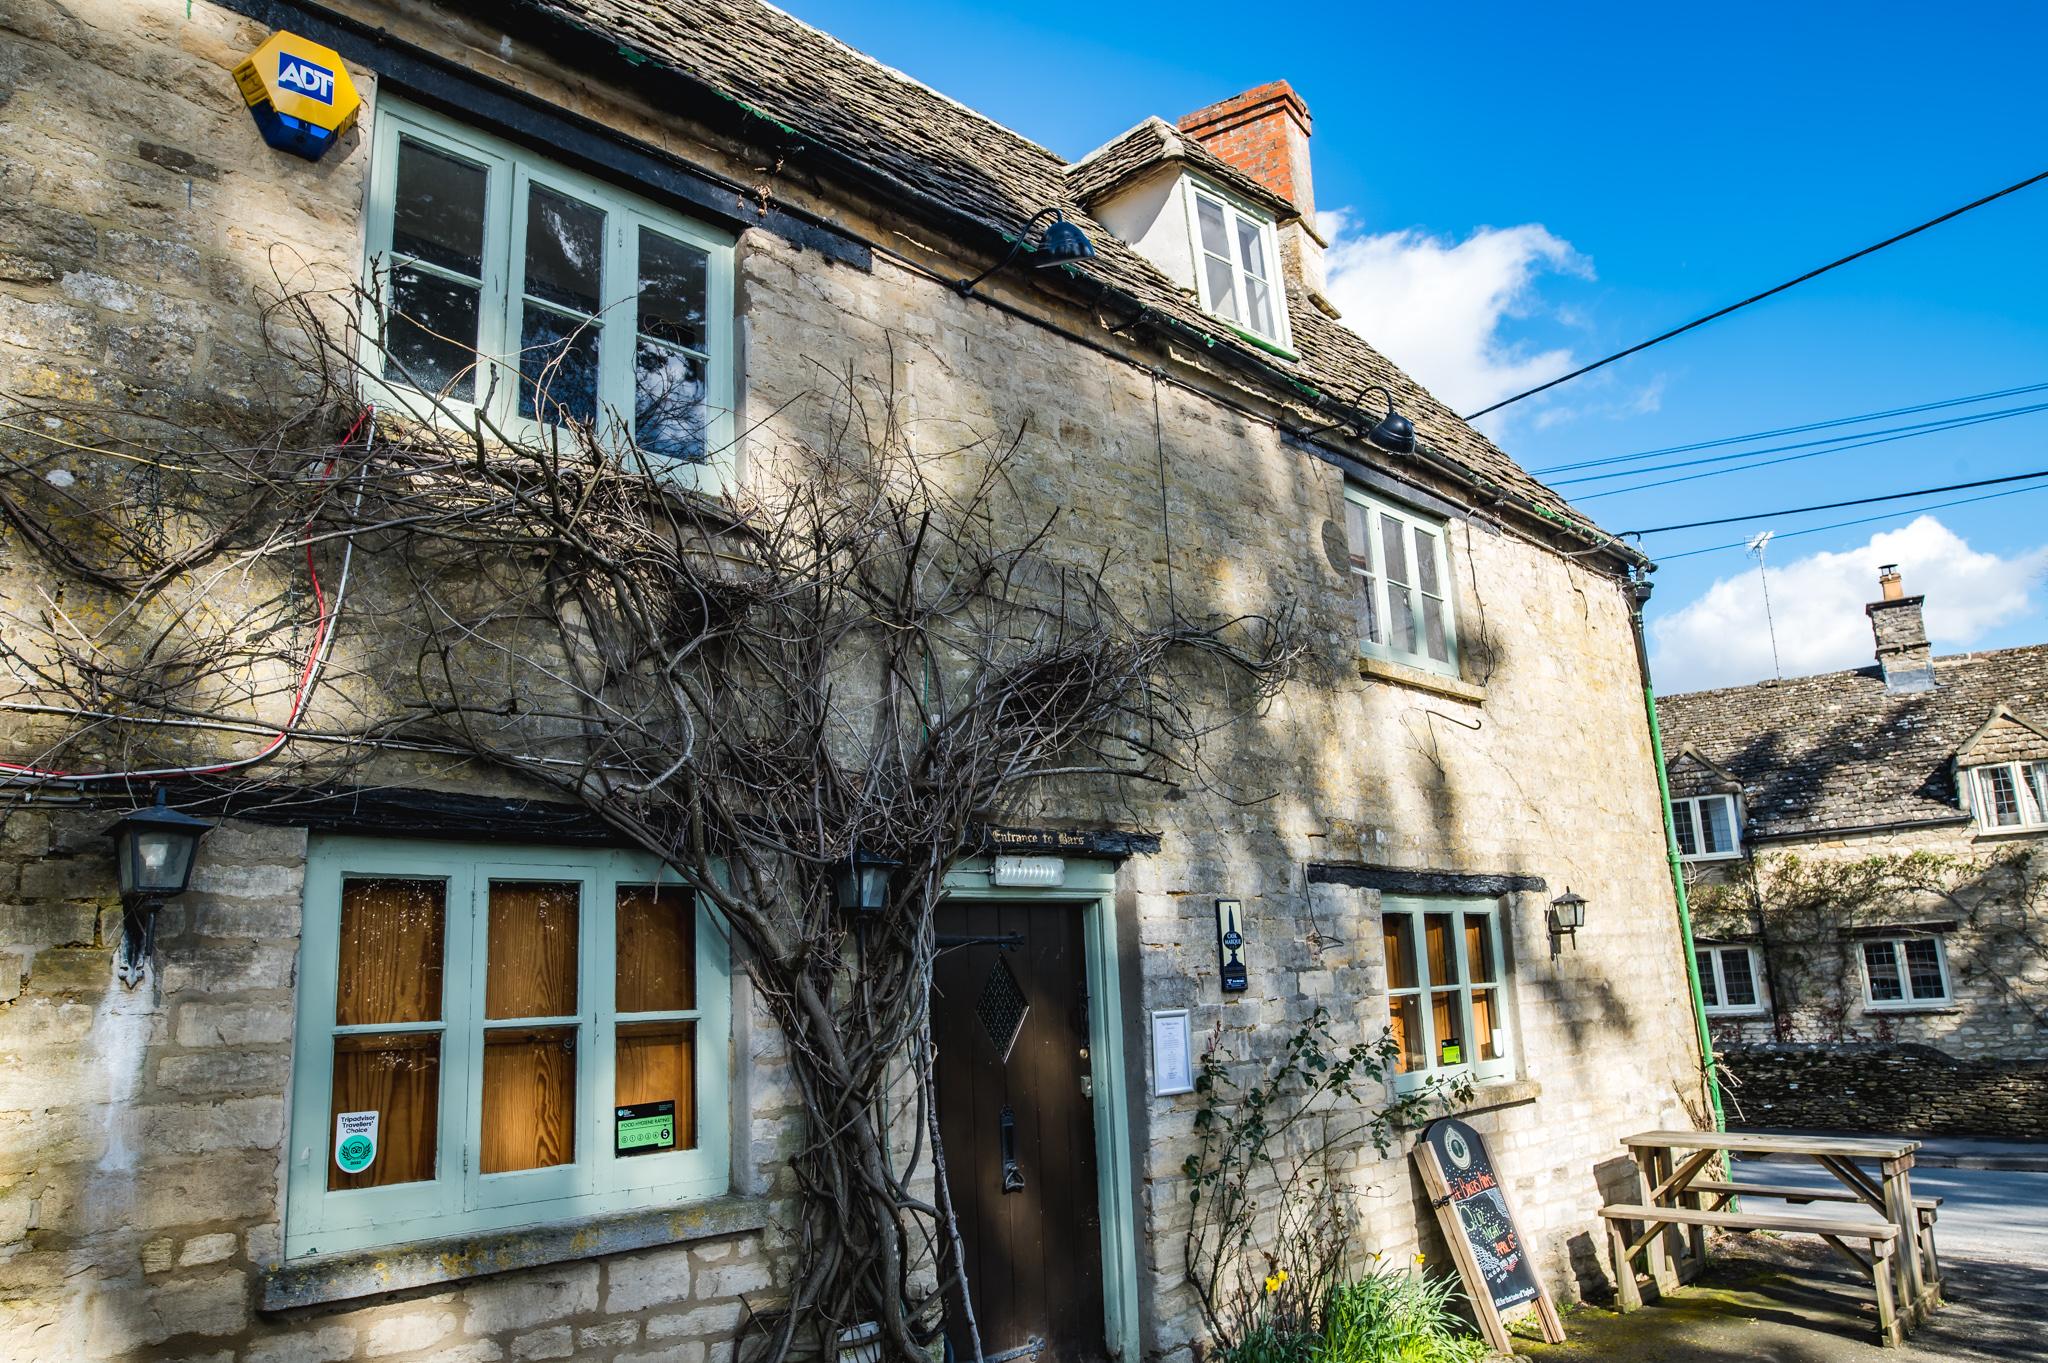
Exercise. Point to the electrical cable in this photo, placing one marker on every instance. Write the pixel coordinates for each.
(1855, 439)
(302, 694)
(1834, 506)
(1956, 425)
(1760, 297)
(1861, 520)
(1913, 410)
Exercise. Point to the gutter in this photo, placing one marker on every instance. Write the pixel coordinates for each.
(1639, 596)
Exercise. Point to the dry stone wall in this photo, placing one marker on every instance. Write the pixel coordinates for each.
(141, 1134)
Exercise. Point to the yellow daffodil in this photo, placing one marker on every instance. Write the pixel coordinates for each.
(1418, 1260)
(1273, 1282)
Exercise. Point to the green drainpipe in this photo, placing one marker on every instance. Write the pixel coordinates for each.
(1639, 594)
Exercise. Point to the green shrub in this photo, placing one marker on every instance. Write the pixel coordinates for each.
(1388, 1316)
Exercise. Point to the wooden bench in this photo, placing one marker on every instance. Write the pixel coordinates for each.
(1835, 1228)
(1925, 1209)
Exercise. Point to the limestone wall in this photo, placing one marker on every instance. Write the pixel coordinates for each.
(140, 1134)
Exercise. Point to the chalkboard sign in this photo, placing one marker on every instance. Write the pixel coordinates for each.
(1472, 1205)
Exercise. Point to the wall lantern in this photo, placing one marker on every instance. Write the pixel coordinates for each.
(154, 849)
(1567, 916)
(1062, 242)
(1392, 432)
(299, 94)
(862, 885)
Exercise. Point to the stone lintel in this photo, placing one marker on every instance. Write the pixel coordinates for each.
(1409, 880)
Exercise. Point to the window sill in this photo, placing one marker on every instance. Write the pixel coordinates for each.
(1892, 1010)
(1495, 1093)
(424, 1263)
(1736, 1014)
(2031, 830)
(1401, 674)
(1709, 858)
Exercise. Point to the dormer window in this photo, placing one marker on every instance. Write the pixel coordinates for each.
(1239, 275)
(2009, 794)
(1706, 827)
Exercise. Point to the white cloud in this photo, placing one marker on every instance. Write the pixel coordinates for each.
(1719, 638)
(1436, 307)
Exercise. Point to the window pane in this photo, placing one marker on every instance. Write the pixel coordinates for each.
(1442, 948)
(1357, 534)
(1433, 638)
(1923, 969)
(1741, 980)
(2037, 788)
(1399, 930)
(1450, 1041)
(1425, 562)
(431, 339)
(669, 415)
(398, 1077)
(1400, 620)
(657, 968)
(1395, 550)
(2001, 797)
(1479, 949)
(564, 250)
(531, 956)
(1251, 245)
(1406, 1017)
(657, 1061)
(1259, 306)
(1709, 995)
(529, 1098)
(437, 209)
(1368, 608)
(390, 962)
(1881, 964)
(1215, 240)
(1222, 287)
(557, 367)
(673, 290)
(1487, 1040)
(1716, 828)
(1681, 822)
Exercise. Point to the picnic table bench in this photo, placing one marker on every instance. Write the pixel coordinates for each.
(1674, 1194)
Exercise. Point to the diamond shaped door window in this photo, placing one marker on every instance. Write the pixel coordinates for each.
(1002, 1008)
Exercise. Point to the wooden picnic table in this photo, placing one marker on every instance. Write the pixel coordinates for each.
(1668, 1181)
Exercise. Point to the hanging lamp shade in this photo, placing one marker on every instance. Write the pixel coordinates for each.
(1063, 242)
(1394, 432)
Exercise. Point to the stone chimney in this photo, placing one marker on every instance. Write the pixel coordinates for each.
(1902, 648)
(1264, 132)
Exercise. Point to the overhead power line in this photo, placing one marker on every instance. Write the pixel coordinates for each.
(1836, 506)
(1854, 440)
(1801, 429)
(1719, 313)
(1953, 425)
(1860, 520)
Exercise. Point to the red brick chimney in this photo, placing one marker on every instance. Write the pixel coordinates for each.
(1264, 132)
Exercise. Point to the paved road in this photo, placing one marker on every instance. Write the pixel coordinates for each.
(1985, 1214)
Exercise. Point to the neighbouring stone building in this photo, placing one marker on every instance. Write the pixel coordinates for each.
(1865, 848)
(173, 1183)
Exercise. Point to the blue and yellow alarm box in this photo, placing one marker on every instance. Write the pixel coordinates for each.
(300, 94)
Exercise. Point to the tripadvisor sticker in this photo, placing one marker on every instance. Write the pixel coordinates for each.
(355, 1141)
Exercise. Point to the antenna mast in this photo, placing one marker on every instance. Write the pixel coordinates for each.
(1757, 547)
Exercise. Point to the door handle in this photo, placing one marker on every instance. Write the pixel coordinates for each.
(1006, 1133)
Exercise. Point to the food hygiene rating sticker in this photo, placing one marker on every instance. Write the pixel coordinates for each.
(645, 1128)
(355, 1141)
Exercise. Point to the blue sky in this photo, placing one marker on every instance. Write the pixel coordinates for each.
(1525, 186)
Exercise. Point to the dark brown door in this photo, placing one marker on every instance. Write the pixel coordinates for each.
(1018, 1123)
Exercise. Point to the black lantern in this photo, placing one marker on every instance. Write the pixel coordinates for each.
(154, 849)
(1062, 243)
(1393, 432)
(863, 882)
(1568, 915)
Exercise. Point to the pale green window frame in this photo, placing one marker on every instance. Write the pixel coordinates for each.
(460, 1199)
(1502, 1066)
(511, 170)
(1238, 219)
(1394, 592)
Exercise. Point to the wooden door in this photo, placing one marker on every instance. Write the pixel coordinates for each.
(1019, 1131)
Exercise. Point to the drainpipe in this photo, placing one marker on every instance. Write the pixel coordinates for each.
(1639, 595)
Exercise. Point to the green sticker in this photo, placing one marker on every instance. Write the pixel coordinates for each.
(355, 1141)
(644, 1128)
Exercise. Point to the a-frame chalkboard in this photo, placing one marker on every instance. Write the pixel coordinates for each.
(1471, 1202)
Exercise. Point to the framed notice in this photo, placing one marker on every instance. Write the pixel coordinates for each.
(1173, 1056)
(1471, 1202)
(644, 1128)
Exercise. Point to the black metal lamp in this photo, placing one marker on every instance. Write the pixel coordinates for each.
(1568, 915)
(863, 882)
(1393, 432)
(1061, 243)
(154, 849)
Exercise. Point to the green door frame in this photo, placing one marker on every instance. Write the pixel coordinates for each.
(1091, 886)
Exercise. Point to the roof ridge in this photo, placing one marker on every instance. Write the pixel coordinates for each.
(1147, 121)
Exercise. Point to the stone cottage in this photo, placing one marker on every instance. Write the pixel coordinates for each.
(429, 1064)
(1864, 848)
